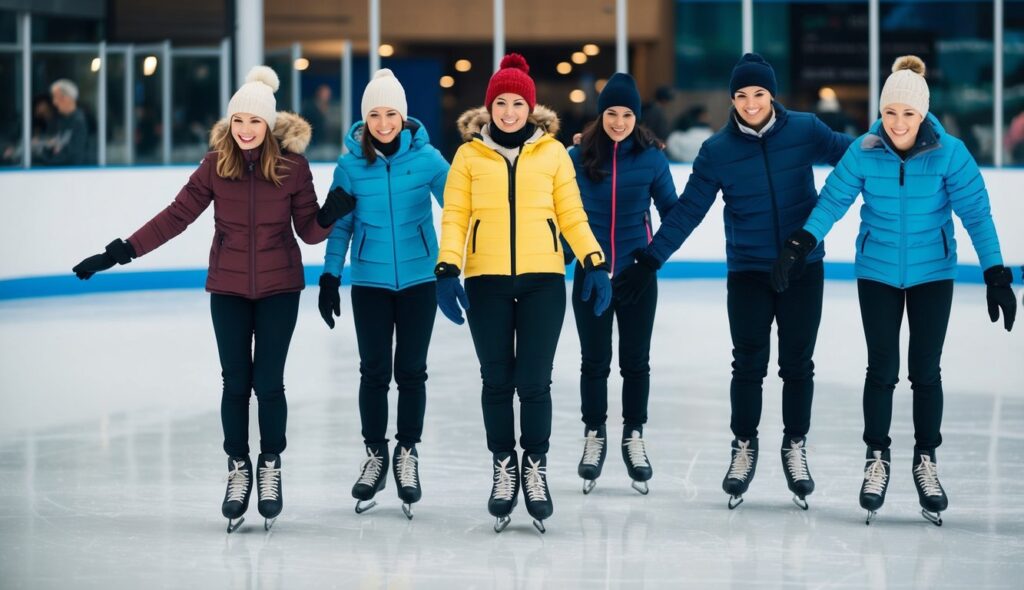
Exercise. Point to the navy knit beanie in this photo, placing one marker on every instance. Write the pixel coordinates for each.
(752, 70)
(620, 91)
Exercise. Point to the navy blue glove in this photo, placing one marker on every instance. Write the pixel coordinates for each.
(633, 281)
(794, 253)
(450, 294)
(597, 282)
(1000, 295)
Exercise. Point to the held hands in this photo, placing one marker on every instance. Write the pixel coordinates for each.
(597, 282)
(338, 204)
(1000, 295)
(794, 253)
(330, 299)
(117, 252)
(631, 283)
(450, 294)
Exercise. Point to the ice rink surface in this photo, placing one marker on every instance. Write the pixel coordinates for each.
(112, 473)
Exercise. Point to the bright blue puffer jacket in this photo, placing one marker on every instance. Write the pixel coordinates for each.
(619, 206)
(391, 230)
(906, 228)
(767, 184)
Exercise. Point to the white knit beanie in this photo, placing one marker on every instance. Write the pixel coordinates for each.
(256, 96)
(385, 91)
(906, 85)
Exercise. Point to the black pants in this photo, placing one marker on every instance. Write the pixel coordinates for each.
(408, 315)
(881, 309)
(237, 321)
(515, 324)
(753, 305)
(636, 322)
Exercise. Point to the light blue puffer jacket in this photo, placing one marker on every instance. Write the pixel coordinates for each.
(391, 230)
(906, 229)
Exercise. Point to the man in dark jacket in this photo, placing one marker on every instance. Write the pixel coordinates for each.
(762, 162)
(67, 146)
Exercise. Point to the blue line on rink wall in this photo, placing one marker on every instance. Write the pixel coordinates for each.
(49, 286)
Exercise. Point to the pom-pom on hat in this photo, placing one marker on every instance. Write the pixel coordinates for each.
(385, 91)
(620, 91)
(513, 76)
(753, 70)
(906, 85)
(256, 96)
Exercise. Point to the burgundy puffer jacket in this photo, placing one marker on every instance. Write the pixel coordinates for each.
(254, 251)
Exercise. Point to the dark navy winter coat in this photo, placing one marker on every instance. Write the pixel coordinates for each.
(767, 184)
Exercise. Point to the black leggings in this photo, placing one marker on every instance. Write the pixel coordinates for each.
(238, 321)
(515, 322)
(408, 315)
(881, 309)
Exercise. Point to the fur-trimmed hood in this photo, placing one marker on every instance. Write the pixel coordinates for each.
(472, 121)
(291, 130)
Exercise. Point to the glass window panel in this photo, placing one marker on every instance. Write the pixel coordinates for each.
(321, 106)
(148, 104)
(1013, 83)
(8, 26)
(281, 62)
(196, 108)
(78, 68)
(11, 107)
(117, 150)
(57, 29)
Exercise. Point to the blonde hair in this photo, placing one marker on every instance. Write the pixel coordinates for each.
(231, 161)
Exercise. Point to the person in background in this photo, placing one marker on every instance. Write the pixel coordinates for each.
(67, 144)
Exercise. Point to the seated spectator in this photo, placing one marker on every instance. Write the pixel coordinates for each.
(67, 145)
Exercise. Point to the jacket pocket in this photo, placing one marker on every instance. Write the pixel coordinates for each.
(423, 238)
(362, 244)
(864, 242)
(554, 233)
(945, 244)
(218, 245)
(476, 229)
(647, 226)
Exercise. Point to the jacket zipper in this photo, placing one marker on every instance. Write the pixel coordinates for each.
(615, 177)
(512, 208)
(554, 233)
(945, 244)
(647, 226)
(476, 228)
(391, 211)
(423, 238)
(771, 192)
(252, 230)
(362, 242)
(864, 242)
(903, 229)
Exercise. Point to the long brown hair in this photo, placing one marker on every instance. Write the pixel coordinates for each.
(595, 145)
(231, 160)
(369, 152)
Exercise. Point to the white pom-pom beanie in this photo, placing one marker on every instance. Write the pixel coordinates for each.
(906, 85)
(385, 91)
(256, 96)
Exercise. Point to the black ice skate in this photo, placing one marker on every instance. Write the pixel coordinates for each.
(535, 489)
(929, 490)
(594, 451)
(741, 470)
(634, 453)
(268, 481)
(373, 475)
(794, 465)
(236, 497)
(876, 481)
(505, 491)
(406, 469)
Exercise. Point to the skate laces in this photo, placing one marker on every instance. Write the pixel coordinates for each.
(269, 476)
(927, 477)
(796, 461)
(875, 475)
(504, 479)
(637, 450)
(238, 482)
(742, 461)
(370, 467)
(592, 446)
(536, 487)
(405, 471)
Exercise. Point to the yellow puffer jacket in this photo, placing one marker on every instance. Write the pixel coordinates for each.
(498, 229)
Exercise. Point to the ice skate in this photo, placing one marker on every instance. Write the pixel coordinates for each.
(373, 475)
(236, 497)
(535, 489)
(876, 481)
(929, 491)
(594, 451)
(268, 481)
(794, 465)
(406, 469)
(634, 454)
(741, 470)
(505, 490)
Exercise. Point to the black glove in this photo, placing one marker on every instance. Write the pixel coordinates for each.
(630, 284)
(330, 299)
(338, 204)
(794, 253)
(117, 252)
(1000, 295)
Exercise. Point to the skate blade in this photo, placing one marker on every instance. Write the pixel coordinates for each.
(407, 509)
(735, 501)
(268, 523)
(588, 485)
(932, 517)
(500, 522)
(801, 502)
(234, 523)
(361, 508)
(539, 525)
(641, 486)
(871, 516)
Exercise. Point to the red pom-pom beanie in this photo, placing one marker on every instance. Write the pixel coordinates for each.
(513, 76)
